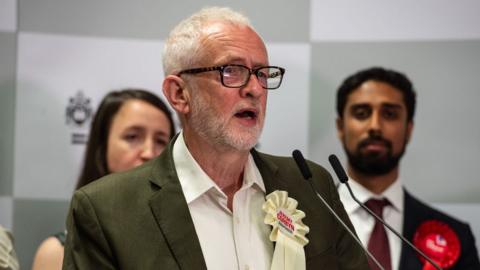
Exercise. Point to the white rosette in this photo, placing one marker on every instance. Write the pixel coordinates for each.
(288, 231)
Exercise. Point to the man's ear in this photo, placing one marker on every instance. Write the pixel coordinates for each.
(176, 94)
(409, 131)
(340, 126)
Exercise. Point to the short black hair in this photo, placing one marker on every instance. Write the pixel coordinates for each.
(394, 78)
(95, 160)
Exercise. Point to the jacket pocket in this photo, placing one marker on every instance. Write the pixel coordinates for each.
(323, 260)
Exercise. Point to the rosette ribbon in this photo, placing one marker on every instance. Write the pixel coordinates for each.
(288, 231)
(438, 241)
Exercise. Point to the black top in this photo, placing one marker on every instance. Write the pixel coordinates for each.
(61, 236)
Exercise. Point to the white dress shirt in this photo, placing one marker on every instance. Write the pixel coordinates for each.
(364, 222)
(236, 239)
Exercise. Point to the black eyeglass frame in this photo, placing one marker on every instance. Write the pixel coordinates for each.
(222, 67)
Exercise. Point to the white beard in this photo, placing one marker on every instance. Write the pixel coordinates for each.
(212, 127)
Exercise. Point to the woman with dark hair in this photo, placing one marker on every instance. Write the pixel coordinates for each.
(96, 162)
(130, 127)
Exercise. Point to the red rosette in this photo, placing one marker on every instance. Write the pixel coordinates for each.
(439, 242)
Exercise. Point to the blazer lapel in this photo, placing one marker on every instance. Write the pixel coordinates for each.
(408, 257)
(172, 215)
(269, 171)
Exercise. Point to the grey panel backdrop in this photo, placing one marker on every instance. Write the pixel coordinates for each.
(7, 107)
(63, 48)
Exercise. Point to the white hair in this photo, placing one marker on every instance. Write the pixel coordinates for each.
(182, 47)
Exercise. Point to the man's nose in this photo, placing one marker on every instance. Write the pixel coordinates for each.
(253, 87)
(375, 123)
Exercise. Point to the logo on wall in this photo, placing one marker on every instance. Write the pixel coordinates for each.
(78, 114)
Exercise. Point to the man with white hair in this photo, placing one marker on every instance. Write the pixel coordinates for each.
(201, 203)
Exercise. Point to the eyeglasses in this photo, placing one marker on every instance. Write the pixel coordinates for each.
(236, 76)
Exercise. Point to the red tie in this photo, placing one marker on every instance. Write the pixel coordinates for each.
(378, 243)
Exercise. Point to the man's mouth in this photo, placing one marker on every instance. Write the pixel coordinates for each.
(375, 145)
(247, 114)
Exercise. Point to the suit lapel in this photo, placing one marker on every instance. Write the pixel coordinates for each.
(172, 215)
(408, 257)
(269, 171)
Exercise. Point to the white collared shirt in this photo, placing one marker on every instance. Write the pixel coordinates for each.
(229, 240)
(364, 222)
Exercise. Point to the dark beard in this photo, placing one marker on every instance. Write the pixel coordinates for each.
(374, 164)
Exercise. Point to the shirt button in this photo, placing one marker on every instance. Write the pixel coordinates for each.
(237, 220)
(247, 267)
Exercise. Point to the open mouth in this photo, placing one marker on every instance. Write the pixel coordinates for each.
(247, 114)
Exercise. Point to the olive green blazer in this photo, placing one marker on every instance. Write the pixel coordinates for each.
(140, 219)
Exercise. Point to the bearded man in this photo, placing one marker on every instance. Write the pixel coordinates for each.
(375, 110)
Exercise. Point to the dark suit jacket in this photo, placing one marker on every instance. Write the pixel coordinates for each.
(416, 212)
(140, 219)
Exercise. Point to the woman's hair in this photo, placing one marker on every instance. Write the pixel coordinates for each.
(95, 162)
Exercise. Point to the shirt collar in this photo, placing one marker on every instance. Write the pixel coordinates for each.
(394, 193)
(252, 176)
(195, 182)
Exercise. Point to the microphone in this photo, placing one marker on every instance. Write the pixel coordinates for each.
(342, 176)
(307, 175)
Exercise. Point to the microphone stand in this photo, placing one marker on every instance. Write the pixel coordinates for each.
(337, 167)
(307, 175)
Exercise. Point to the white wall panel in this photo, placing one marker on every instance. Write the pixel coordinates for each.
(286, 126)
(6, 208)
(8, 15)
(369, 20)
(51, 69)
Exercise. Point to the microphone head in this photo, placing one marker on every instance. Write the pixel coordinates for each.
(302, 164)
(337, 167)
